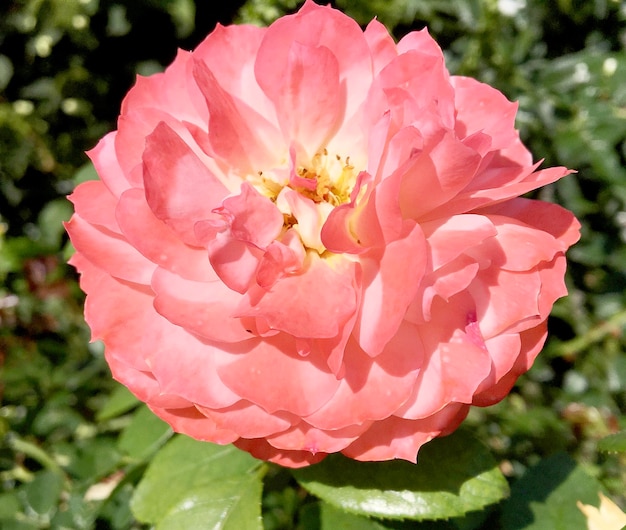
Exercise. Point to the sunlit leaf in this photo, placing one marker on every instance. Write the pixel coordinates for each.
(453, 476)
(198, 485)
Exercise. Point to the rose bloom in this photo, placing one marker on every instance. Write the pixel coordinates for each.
(307, 239)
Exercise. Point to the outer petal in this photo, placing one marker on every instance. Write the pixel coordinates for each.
(109, 251)
(204, 308)
(156, 241)
(398, 438)
(259, 448)
(253, 376)
(316, 26)
(373, 389)
(192, 422)
(249, 420)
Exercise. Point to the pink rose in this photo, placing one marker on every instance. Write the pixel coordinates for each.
(309, 239)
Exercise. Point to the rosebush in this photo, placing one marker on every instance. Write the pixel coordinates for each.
(309, 239)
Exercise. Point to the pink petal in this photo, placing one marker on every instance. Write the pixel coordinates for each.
(229, 52)
(303, 437)
(381, 44)
(279, 260)
(192, 422)
(373, 389)
(248, 420)
(180, 190)
(455, 362)
(186, 366)
(109, 251)
(234, 261)
(449, 237)
(245, 140)
(157, 242)
(259, 448)
(398, 438)
(532, 341)
(199, 307)
(390, 282)
(546, 216)
(304, 383)
(505, 299)
(108, 167)
(437, 176)
(94, 203)
(326, 300)
(310, 101)
(315, 26)
(485, 109)
(518, 247)
(254, 218)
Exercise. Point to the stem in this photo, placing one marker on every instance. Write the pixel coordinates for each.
(613, 326)
(36, 453)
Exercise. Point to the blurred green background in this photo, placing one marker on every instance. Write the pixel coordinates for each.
(66, 429)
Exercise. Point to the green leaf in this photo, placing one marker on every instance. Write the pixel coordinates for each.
(43, 493)
(331, 518)
(545, 497)
(144, 435)
(121, 401)
(613, 443)
(192, 484)
(232, 504)
(454, 475)
(9, 505)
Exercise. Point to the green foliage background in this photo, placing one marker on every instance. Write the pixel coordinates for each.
(66, 429)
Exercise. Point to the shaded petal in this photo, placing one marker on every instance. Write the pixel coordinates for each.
(437, 176)
(399, 438)
(381, 44)
(259, 448)
(237, 133)
(449, 237)
(253, 217)
(249, 420)
(184, 365)
(505, 299)
(532, 341)
(303, 437)
(373, 389)
(545, 216)
(192, 422)
(482, 108)
(180, 189)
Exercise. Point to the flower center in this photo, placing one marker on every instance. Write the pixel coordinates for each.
(306, 193)
(334, 178)
(326, 178)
